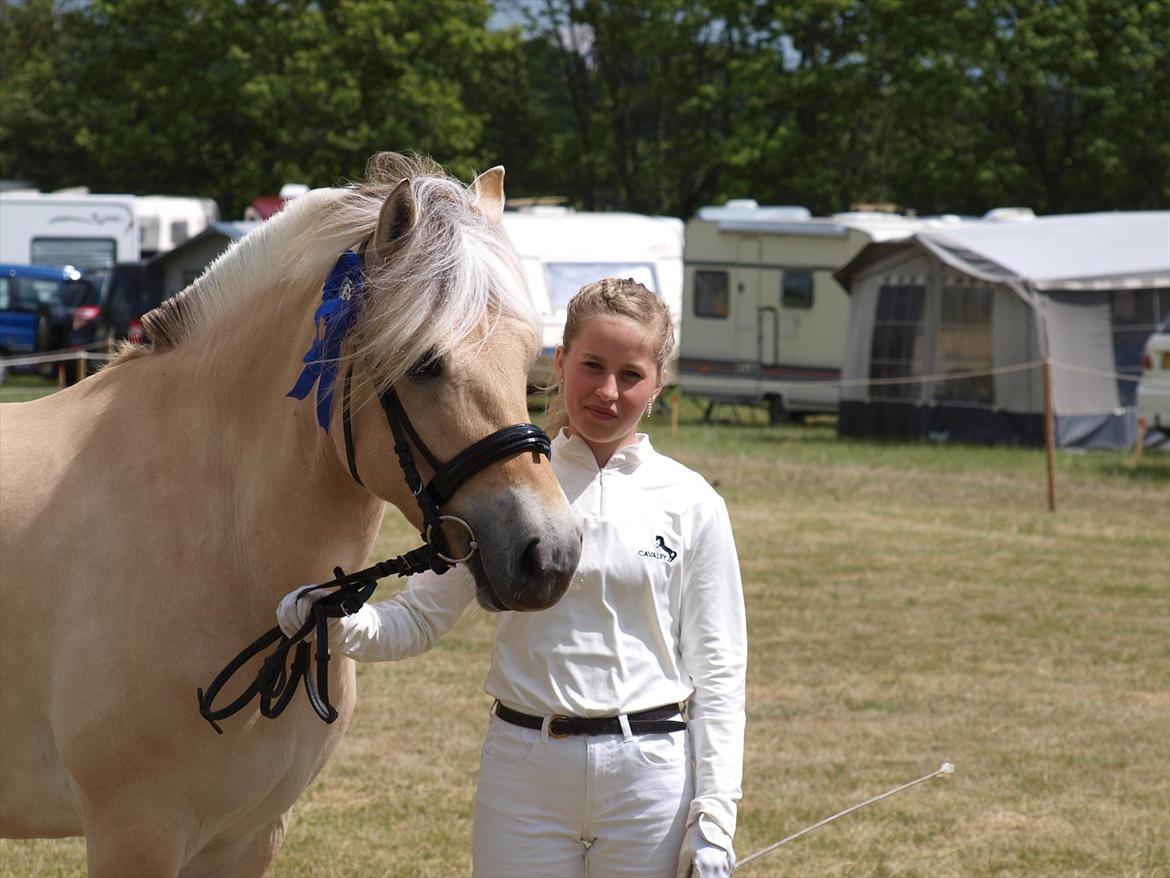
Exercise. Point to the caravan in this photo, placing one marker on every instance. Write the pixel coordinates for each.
(67, 228)
(74, 227)
(166, 221)
(763, 320)
(562, 250)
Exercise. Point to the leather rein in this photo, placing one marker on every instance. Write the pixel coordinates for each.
(276, 681)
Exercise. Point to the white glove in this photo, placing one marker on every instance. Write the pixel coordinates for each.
(294, 609)
(700, 858)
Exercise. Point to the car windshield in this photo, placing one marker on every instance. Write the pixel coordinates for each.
(1164, 326)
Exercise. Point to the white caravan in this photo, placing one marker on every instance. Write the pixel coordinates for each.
(763, 319)
(562, 250)
(67, 228)
(165, 221)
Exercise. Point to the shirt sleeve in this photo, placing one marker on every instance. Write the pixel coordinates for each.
(713, 643)
(410, 622)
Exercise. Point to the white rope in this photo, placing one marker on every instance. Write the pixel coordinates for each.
(61, 356)
(959, 376)
(945, 768)
(923, 379)
(1084, 370)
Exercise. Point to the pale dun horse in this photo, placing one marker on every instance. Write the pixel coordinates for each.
(154, 514)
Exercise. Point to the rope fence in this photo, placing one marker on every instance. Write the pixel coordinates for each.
(99, 351)
(93, 351)
(941, 377)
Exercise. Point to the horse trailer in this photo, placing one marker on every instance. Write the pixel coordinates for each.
(67, 228)
(763, 319)
(561, 250)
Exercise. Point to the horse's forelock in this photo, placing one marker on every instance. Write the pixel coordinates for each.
(453, 276)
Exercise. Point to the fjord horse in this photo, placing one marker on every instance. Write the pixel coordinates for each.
(154, 514)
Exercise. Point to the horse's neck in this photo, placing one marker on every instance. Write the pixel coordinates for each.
(223, 404)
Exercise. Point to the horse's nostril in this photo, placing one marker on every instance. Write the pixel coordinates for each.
(534, 561)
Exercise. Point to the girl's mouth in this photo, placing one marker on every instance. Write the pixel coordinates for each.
(600, 414)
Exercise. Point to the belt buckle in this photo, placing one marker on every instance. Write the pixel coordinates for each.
(553, 719)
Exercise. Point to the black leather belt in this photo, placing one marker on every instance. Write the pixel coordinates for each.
(645, 722)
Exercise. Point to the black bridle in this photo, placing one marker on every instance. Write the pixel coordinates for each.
(276, 681)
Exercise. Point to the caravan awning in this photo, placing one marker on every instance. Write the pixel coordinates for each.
(1094, 251)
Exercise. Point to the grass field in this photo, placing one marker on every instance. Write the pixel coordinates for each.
(907, 604)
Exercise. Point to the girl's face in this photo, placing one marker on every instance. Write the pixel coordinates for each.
(609, 377)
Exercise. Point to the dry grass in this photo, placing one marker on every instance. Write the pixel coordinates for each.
(907, 605)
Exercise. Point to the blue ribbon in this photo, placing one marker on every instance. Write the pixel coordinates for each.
(340, 299)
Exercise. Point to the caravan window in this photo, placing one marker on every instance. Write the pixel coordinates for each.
(565, 278)
(964, 344)
(81, 253)
(896, 350)
(712, 297)
(796, 290)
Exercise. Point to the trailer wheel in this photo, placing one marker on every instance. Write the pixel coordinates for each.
(776, 413)
(779, 414)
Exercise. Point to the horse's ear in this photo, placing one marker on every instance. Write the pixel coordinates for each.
(488, 190)
(396, 218)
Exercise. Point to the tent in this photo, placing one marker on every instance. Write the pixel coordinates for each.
(948, 329)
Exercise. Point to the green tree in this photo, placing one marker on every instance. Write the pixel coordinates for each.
(230, 99)
(43, 66)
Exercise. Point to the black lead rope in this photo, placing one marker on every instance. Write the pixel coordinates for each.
(276, 681)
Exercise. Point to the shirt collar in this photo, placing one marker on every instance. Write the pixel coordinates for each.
(576, 448)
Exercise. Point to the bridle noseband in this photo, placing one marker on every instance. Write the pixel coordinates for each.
(448, 477)
(276, 682)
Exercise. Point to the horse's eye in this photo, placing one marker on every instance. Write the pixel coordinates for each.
(430, 366)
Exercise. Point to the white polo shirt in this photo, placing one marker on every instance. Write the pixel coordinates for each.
(654, 616)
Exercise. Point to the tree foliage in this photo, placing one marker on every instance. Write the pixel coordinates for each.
(656, 106)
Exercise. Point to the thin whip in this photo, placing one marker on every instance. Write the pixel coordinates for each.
(945, 768)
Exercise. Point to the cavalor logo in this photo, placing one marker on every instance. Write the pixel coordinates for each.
(661, 551)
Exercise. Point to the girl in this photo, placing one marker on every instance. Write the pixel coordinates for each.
(615, 747)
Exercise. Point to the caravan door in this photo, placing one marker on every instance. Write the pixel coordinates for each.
(750, 320)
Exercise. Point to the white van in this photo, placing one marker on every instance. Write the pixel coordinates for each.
(561, 250)
(763, 319)
(67, 228)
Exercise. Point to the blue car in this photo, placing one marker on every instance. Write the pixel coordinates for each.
(39, 305)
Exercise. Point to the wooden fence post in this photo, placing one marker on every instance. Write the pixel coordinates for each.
(1050, 434)
(1141, 441)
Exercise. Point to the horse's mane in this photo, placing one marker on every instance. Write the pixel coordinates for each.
(453, 274)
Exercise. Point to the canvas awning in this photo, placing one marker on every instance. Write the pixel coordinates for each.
(1093, 251)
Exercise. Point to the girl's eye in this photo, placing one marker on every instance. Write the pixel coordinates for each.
(633, 376)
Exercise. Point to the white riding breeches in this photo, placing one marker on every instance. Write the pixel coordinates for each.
(603, 806)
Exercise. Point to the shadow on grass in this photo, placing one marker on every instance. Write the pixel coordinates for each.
(1154, 471)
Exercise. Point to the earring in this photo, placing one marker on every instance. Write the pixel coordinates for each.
(650, 407)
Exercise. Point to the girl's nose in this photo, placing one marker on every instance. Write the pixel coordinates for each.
(607, 389)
